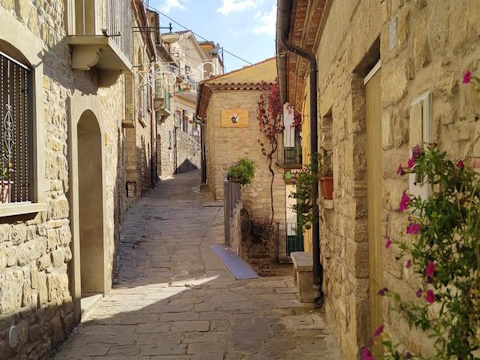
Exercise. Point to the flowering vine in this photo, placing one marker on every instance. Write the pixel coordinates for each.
(269, 116)
(442, 248)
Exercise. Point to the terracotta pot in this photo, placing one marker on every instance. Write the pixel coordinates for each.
(326, 186)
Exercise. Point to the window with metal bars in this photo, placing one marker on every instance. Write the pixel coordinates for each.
(16, 135)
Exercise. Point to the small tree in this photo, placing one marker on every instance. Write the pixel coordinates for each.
(242, 172)
(269, 117)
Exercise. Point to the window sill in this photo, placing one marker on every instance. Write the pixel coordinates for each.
(21, 209)
(328, 204)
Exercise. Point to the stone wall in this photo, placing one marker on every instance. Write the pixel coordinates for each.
(225, 146)
(420, 51)
(256, 243)
(179, 150)
(36, 271)
(139, 138)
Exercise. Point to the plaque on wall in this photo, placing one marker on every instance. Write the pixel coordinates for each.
(235, 118)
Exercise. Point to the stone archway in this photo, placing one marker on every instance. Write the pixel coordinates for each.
(90, 205)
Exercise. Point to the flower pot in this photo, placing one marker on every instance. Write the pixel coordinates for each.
(326, 187)
(5, 187)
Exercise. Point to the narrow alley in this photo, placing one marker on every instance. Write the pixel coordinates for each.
(174, 299)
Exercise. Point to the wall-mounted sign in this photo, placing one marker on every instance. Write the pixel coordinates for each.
(235, 118)
(290, 175)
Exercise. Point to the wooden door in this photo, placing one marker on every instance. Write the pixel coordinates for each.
(374, 194)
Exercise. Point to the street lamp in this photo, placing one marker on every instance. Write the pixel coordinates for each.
(169, 37)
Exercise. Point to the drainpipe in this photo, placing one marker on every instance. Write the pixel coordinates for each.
(202, 124)
(283, 25)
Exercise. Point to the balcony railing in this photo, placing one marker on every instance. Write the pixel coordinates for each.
(108, 18)
(291, 154)
(294, 238)
(102, 38)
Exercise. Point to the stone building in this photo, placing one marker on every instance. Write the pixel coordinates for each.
(62, 102)
(180, 132)
(389, 76)
(228, 106)
(139, 120)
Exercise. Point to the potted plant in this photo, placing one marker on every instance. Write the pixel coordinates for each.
(319, 169)
(325, 171)
(242, 172)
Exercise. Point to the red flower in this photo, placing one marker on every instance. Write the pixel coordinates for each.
(413, 228)
(379, 331)
(408, 355)
(416, 151)
(460, 164)
(388, 242)
(430, 297)
(419, 292)
(467, 77)
(404, 202)
(400, 170)
(411, 162)
(367, 355)
(382, 292)
(408, 265)
(430, 269)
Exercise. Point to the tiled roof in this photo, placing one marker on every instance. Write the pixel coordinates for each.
(265, 71)
(254, 77)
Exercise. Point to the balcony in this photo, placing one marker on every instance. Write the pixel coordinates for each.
(187, 88)
(290, 151)
(102, 38)
(161, 103)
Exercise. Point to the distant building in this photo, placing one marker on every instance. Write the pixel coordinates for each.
(180, 132)
(228, 106)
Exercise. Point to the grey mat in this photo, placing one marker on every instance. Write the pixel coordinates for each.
(239, 268)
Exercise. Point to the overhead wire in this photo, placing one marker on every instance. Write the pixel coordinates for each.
(199, 36)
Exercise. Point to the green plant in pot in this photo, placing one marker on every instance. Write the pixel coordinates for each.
(326, 173)
(319, 168)
(242, 172)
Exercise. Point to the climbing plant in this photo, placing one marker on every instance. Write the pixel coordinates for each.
(269, 117)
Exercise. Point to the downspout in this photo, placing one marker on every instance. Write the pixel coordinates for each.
(203, 155)
(283, 24)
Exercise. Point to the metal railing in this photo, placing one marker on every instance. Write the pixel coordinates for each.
(294, 237)
(292, 149)
(16, 136)
(106, 17)
(231, 196)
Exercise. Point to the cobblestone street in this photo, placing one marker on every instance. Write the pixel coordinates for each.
(174, 299)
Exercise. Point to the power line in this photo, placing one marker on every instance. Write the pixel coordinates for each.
(198, 35)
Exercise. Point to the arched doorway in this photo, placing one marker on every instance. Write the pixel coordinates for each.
(90, 205)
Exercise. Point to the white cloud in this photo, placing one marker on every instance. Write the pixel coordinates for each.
(267, 21)
(170, 4)
(236, 5)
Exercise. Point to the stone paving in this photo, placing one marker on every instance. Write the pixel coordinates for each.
(174, 299)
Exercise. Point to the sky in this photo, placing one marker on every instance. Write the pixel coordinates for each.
(245, 28)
